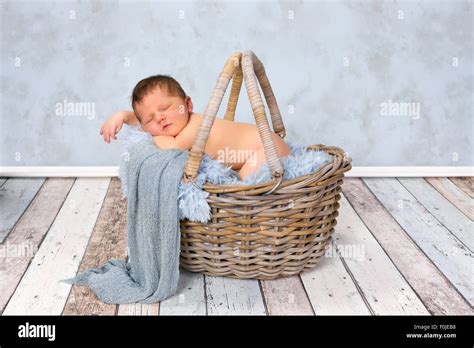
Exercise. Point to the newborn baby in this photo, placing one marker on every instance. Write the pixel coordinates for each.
(161, 108)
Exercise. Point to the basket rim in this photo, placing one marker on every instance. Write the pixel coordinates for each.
(264, 186)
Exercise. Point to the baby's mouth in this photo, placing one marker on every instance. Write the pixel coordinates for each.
(164, 127)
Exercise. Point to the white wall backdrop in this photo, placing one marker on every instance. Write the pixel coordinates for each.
(391, 82)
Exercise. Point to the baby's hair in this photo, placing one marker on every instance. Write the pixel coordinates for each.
(145, 86)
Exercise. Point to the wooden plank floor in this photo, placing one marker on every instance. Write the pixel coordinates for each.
(401, 246)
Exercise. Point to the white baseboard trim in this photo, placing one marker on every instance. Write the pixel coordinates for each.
(56, 171)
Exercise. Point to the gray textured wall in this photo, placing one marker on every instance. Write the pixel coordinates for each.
(390, 82)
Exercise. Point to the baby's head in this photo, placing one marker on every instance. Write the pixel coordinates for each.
(158, 102)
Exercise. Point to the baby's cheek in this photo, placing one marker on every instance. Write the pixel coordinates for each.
(153, 131)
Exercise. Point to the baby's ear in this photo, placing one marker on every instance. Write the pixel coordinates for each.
(189, 104)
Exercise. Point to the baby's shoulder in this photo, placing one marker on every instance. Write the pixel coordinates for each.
(194, 120)
(219, 123)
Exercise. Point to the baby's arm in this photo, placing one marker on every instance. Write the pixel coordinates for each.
(165, 142)
(113, 125)
(183, 140)
(130, 118)
(169, 142)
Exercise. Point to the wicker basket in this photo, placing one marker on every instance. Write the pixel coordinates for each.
(269, 230)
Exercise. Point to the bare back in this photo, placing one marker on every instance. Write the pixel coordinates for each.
(229, 136)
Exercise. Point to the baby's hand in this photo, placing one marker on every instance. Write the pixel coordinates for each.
(112, 126)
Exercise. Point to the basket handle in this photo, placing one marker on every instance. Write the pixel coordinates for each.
(237, 78)
(277, 122)
(248, 59)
